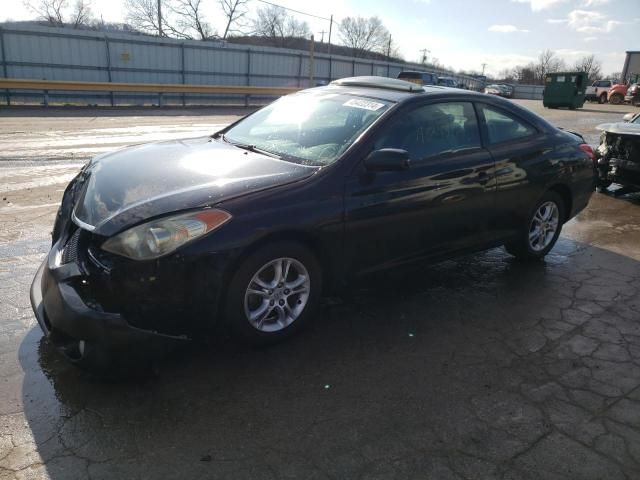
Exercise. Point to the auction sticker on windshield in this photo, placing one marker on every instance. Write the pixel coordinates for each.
(365, 104)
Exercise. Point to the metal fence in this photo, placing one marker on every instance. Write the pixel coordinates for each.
(42, 53)
(528, 92)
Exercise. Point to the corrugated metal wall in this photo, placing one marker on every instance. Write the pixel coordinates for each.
(62, 54)
(631, 66)
(528, 92)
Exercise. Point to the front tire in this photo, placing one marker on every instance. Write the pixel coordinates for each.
(602, 98)
(542, 229)
(616, 99)
(273, 293)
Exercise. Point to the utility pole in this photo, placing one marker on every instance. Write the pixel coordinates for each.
(483, 67)
(330, 27)
(389, 47)
(312, 65)
(424, 55)
(322, 37)
(160, 18)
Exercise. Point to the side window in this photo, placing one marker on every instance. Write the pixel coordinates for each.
(502, 127)
(433, 130)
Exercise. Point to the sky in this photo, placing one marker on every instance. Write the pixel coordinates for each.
(462, 34)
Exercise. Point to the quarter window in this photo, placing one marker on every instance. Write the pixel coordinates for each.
(502, 127)
(432, 130)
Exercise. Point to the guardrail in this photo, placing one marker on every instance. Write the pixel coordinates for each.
(73, 86)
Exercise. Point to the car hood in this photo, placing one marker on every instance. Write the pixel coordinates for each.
(131, 185)
(622, 128)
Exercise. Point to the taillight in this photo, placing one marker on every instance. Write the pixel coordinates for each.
(587, 149)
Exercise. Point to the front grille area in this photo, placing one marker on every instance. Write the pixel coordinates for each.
(70, 252)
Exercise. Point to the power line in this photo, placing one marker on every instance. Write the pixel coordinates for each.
(293, 10)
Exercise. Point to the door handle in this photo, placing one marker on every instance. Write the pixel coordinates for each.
(482, 178)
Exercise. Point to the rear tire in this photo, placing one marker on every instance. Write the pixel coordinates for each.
(273, 294)
(602, 185)
(602, 98)
(541, 230)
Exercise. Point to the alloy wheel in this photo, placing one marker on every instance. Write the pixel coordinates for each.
(277, 295)
(544, 226)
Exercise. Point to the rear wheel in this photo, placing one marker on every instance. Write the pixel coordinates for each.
(616, 99)
(602, 185)
(542, 229)
(273, 293)
(602, 98)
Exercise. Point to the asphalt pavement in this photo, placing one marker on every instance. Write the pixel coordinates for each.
(475, 368)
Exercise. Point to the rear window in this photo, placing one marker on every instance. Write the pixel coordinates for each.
(413, 77)
(502, 127)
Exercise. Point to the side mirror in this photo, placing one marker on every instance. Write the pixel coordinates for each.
(387, 160)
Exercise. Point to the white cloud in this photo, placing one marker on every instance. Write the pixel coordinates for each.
(594, 3)
(590, 39)
(506, 29)
(590, 22)
(538, 5)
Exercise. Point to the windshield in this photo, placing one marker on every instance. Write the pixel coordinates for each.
(636, 119)
(307, 128)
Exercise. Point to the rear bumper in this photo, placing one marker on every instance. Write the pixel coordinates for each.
(73, 327)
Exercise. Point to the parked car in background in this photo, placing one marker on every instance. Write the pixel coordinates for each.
(507, 89)
(419, 78)
(633, 95)
(496, 89)
(598, 91)
(153, 244)
(631, 117)
(493, 90)
(618, 155)
(447, 82)
(617, 92)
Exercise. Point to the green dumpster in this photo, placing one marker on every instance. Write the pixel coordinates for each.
(564, 89)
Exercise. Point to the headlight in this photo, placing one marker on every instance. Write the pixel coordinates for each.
(162, 236)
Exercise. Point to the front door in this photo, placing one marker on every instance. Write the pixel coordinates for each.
(442, 203)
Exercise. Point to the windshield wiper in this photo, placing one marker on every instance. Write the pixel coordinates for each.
(247, 146)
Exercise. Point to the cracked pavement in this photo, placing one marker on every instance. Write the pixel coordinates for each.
(476, 368)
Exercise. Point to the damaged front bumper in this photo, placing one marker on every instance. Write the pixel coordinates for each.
(82, 333)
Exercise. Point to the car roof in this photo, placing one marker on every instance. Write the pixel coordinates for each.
(397, 96)
(377, 91)
(417, 71)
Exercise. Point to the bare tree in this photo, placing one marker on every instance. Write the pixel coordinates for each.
(189, 20)
(548, 62)
(234, 11)
(616, 77)
(507, 74)
(81, 13)
(51, 11)
(275, 23)
(591, 66)
(363, 34)
(143, 16)
(525, 74)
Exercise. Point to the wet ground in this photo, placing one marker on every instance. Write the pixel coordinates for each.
(477, 368)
